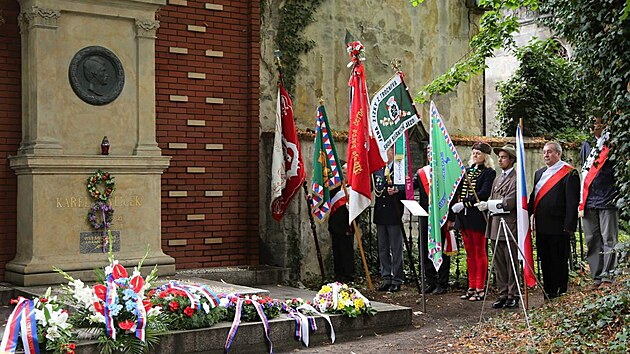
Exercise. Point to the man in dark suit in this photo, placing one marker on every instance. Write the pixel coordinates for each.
(437, 280)
(554, 204)
(506, 250)
(387, 217)
(341, 233)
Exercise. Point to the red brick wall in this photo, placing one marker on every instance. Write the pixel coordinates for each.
(231, 218)
(10, 127)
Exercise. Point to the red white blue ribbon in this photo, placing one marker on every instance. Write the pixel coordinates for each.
(142, 320)
(212, 298)
(194, 301)
(265, 322)
(22, 320)
(235, 324)
(110, 301)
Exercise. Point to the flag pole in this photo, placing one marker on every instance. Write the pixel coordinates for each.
(520, 123)
(314, 229)
(358, 236)
(306, 194)
(407, 241)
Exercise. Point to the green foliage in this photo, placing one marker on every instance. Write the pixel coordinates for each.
(295, 15)
(543, 91)
(599, 34)
(496, 30)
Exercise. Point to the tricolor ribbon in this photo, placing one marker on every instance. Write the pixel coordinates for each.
(237, 320)
(22, 320)
(265, 322)
(235, 324)
(194, 301)
(142, 320)
(110, 301)
(212, 298)
(302, 322)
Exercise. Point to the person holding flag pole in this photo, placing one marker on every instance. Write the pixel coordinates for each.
(392, 113)
(364, 157)
(446, 172)
(330, 197)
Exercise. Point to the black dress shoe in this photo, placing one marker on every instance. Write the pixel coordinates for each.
(394, 288)
(499, 303)
(384, 287)
(429, 289)
(439, 291)
(510, 304)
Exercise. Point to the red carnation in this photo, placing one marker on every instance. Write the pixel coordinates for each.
(163, 294)
(173, 305)
(43, 299)
(248, 302)
(188, 311)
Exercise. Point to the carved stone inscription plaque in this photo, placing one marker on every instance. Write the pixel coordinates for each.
(92, 242)
(96, 75)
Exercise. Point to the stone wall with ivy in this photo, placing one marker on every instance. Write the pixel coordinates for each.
(428, 40)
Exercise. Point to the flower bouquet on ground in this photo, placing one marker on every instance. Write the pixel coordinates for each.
(270, 307)
(340, 298)
(116, 309)
(249, 308)
(187, 306)
(42, 324)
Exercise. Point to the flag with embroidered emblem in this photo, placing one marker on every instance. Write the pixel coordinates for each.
(326, 170)
(392, 112)
(287, 168)
(446, 171)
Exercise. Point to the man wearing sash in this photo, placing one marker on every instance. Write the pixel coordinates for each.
(597, 208)
(553, 204)
(437, 280)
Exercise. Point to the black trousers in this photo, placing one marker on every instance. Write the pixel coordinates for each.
(553, 251)
(433, 277)
(343, 257)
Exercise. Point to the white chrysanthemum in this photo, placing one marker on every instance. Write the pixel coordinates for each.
(224, 301)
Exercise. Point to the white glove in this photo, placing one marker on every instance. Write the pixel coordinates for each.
(457, 207)
(482, 206)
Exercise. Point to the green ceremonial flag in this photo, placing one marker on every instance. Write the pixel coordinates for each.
(447, 170)
(326, 170)
(392, 112)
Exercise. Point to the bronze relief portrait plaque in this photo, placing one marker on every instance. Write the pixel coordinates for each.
(96, 75)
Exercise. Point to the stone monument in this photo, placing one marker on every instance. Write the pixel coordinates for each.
(88, 71)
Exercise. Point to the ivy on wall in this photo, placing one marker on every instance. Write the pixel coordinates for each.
(295, 15)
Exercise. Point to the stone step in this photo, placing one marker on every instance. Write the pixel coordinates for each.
(250, 336)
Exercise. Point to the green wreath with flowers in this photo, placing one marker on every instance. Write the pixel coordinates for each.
(97, 179)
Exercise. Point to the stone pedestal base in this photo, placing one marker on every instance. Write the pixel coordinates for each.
(53, 204)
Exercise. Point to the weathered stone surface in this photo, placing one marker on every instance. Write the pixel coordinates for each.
(428, 39)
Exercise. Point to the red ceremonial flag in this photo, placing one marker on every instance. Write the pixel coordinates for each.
(287, 168)
(364, 156)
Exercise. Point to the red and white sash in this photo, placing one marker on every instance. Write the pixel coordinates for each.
(338, 200)
(423, 175)
(592, 166)
(549, 179)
